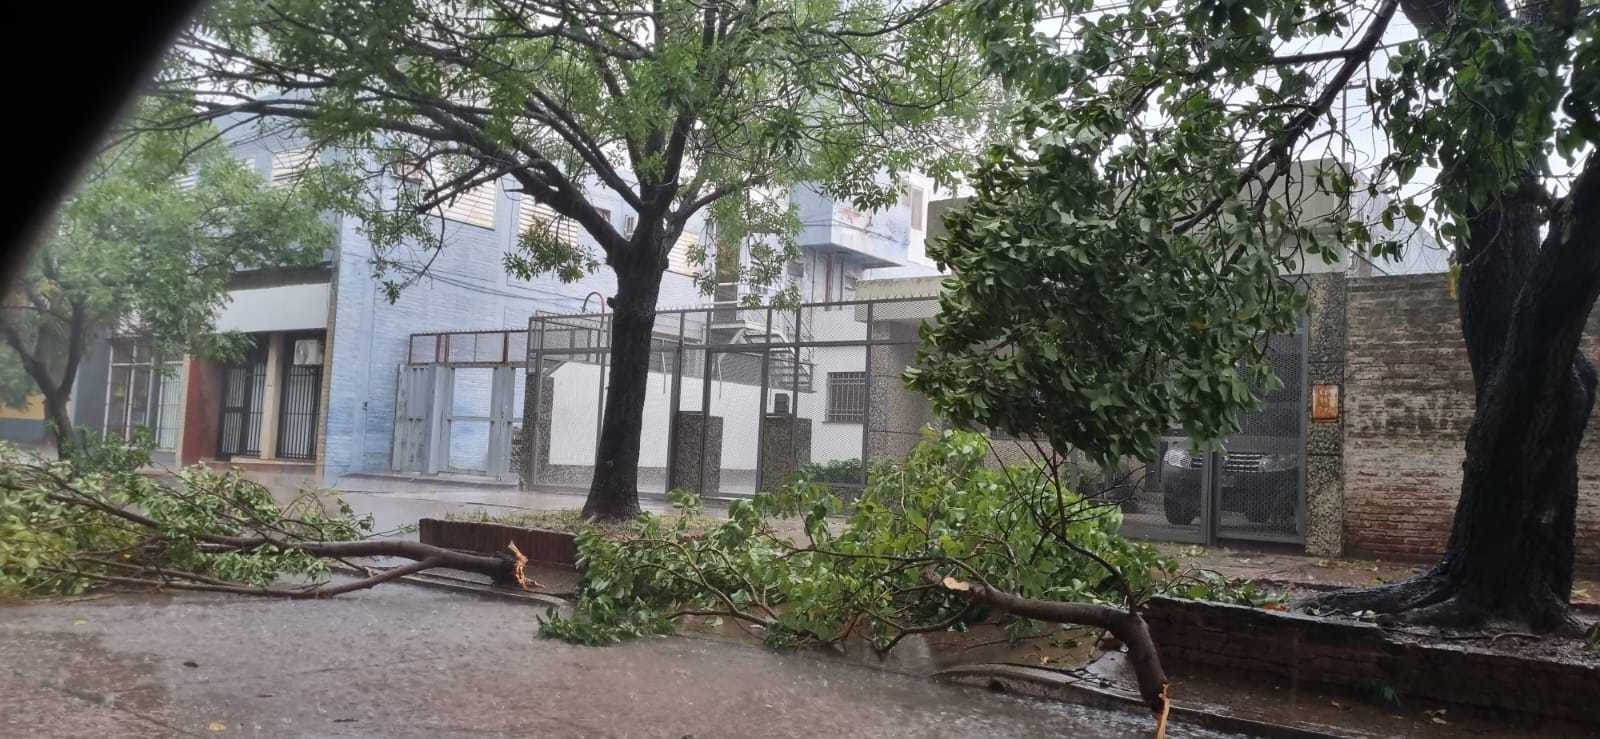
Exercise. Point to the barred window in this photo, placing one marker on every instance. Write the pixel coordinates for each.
(847, 397)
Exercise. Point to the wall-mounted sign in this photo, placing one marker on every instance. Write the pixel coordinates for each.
(1324, 402)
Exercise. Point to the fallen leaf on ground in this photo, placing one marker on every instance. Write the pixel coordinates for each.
(217, 726)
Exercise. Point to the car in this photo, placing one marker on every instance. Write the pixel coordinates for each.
(1259, 477)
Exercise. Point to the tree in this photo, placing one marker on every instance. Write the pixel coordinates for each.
(677, 107)
(1161, 190)
(143, 248)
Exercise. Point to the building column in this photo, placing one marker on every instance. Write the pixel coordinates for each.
(271, 396)
(1324, 427)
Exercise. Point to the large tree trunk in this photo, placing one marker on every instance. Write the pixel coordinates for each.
(614, 491)
(1523, 308)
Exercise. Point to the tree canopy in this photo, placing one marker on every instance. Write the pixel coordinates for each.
(676, 109)
(1118, 268)
(147, 247)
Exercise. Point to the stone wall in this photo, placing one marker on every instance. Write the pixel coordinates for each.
(1408, 401)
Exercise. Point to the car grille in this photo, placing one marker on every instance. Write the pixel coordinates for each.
(1234, 462)
(1242, 462)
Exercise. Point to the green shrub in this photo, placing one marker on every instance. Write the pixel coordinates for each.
(940, 507)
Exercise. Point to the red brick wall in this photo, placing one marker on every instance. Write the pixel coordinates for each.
(1408, 402)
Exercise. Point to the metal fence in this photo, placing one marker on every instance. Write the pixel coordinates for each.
(737, 400)
(1252, 488)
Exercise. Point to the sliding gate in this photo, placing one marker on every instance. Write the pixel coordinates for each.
(461, 414)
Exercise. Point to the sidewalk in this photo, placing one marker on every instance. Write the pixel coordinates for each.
(1275, 567)
(394, 500)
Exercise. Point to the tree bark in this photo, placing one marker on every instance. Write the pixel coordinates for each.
(614, 491)
(55, 411)
(1524, 306)
(1126, 625)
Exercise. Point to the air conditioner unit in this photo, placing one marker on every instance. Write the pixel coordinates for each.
(308, 352)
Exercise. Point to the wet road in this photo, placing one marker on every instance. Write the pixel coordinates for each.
(404, 661)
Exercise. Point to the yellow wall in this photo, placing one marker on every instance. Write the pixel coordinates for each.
(33, 409)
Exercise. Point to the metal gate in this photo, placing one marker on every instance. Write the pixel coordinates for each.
(297, 411)
(478, 426)
(243, 390)
(1252, 488)
(418, 419)
(454, 419)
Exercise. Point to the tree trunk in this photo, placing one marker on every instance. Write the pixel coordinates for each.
(614, 491)
(1524, 306)
(55, 411)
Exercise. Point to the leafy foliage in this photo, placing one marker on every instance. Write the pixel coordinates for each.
(59, 532)
(147, 246)
(673, 111)
(862, 575)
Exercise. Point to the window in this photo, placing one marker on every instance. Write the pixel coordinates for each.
(847, 397)
(139, 395)
(287, 166)
(628, 224)
(678, 258)
(533, 215)
(474, 207)
(915, 197)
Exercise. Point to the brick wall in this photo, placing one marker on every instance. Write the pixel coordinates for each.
(1408, 402)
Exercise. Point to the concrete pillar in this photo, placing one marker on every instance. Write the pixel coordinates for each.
(785, 448)
(1326, 326)
(271, 396)
(688, 459)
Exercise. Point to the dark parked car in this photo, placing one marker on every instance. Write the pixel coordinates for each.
(1259, 467)
(1259, 476)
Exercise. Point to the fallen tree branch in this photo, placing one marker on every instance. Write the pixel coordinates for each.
(1126, 626)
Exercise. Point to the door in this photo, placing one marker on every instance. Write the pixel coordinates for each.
(243, 391)
(298, 406)
(501, 420)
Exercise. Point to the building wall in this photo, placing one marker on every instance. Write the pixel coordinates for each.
(466, 288)
(25, 424)
(1408, 403)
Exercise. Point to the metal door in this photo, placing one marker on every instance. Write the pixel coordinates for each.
(419, 427)
(501, 418)
(297, 411)
(243, 391)
(1252, 488)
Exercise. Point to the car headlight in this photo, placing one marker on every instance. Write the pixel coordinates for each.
(1280, 462)
(1177, 457)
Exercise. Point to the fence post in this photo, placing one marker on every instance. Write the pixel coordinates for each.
(866, 409)
(761, 412)
(705, 421)
(672, 407)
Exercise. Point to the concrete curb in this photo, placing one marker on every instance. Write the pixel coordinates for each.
(1054, 685)
(458, 585)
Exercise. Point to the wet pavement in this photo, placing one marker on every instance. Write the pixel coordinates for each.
(403, 661)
